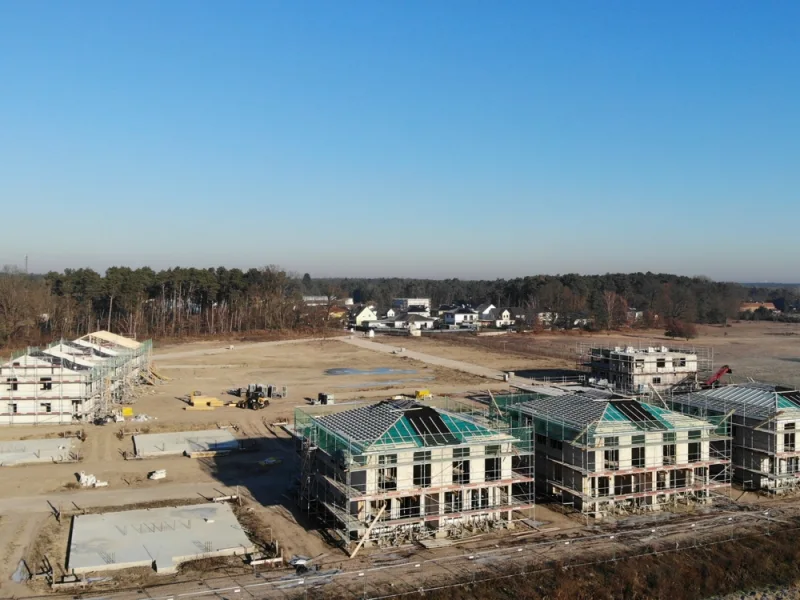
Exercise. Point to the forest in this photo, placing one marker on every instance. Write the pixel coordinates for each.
(182, 302)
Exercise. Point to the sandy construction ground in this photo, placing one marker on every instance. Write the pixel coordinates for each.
(348, 370)
(305, 367)
(764, 351)
(302, 367)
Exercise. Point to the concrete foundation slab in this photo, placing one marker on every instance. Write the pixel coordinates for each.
(184, 442)
(161, 538)
(36, 451)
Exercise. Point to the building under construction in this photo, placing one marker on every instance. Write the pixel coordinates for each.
(604, 456)
(399, 470)
(644, 368)
(72, 380)
(764, 420)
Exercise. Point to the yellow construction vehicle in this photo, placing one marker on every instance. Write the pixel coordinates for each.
(423, 395)
(253, 396)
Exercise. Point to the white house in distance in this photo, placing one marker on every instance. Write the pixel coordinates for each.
(315, 300)
(361, 315)
(326, 300)
(486, 311)
(420, 306)
(508, 315)
(403, 320)
(413, 321)
(460, 316)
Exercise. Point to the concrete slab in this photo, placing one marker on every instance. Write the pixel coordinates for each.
(36, 451)
(184, 442)
(161, 538)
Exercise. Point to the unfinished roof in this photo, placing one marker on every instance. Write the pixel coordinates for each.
(404, 423)
(757, 400)
(607, 416)
(112, 338)
(660, 351)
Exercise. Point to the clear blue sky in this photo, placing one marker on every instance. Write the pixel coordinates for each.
(431, 139)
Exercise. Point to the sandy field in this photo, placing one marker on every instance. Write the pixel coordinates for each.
(764, 351)
(305, 367)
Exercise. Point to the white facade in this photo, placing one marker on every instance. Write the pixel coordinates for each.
(68, 381)
(460, 316)
(486, 311)
(364, 315)
(504, 318)
(315, 300)
(609, 464)
(637, 370)
(415, 322)
(765, 422)
(398, 484)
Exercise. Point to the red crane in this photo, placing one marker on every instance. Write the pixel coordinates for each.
(717, 376)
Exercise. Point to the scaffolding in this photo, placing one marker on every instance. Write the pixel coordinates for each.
(616, 362)
(67, 380)
(411, 479)
(764, 419)
(602, 457)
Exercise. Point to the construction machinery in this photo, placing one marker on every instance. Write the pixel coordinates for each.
(724, 370)
(255, 396)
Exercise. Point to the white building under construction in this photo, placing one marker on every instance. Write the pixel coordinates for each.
(639, 370)
(765, 420)
(71, 380)
(604, 456)
(398, 470)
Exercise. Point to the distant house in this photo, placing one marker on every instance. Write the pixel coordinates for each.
(443, 308)
(404, 320)
(419, 309)
(392, 312)
(414, 305)
(509, 315)
(460, 316)
(316, 300)
(485, 311)
(413, 321)
(754, 306)
(361, 315)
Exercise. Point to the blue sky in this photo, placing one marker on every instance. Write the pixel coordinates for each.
(430, 139)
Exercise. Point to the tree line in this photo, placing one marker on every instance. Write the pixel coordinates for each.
(181, 302)
(605, 299)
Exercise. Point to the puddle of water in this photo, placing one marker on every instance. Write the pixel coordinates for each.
(378, 371)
